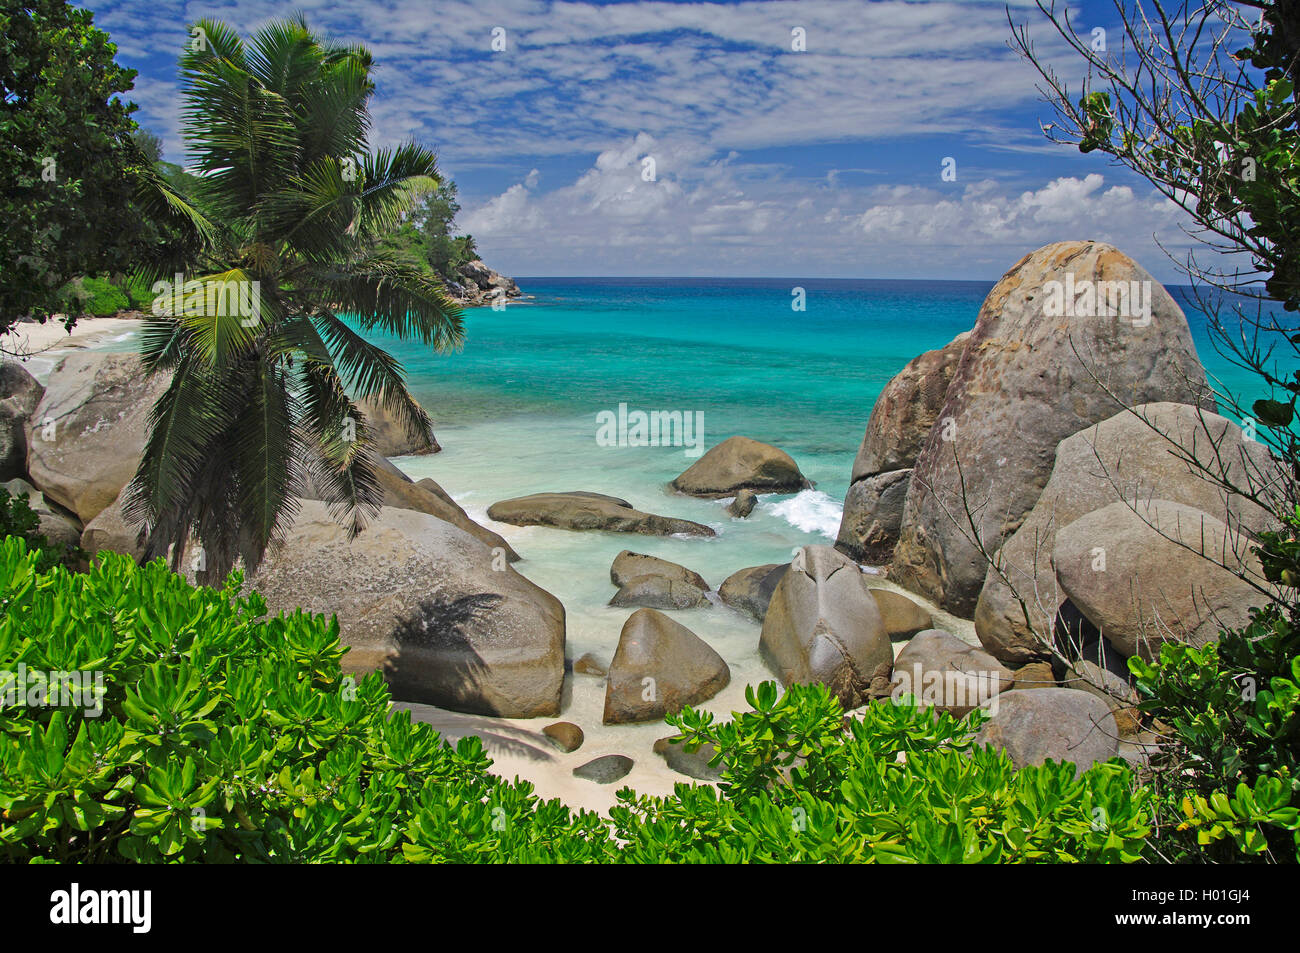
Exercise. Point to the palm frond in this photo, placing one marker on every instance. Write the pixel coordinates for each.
(384, 290)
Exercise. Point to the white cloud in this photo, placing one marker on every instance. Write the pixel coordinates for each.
(710, 217)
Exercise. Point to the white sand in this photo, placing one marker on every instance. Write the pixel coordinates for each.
(39, 346)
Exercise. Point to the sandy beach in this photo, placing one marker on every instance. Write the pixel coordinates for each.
(29, 339)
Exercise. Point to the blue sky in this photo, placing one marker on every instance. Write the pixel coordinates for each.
(767, 161)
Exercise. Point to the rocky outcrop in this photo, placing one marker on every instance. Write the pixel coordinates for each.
(86, 437)
(750, 590)
(1129, 456)
(590, 511)
(20, 393)
(427, 604)
(822, 625)
(658, 592)
(873, 516)
(389, 435)
(1028, 378)
(480, 285)
(1155, 574)
(739, 463)
(628, 565)
(1057, 723)
(659, 667)
(901, 617)
(942, 671)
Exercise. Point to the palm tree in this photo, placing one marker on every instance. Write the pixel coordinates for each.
(258, 406)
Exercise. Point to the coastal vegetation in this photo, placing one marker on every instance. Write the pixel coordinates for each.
(219, 728)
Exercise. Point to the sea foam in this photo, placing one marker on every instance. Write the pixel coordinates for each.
(811, 511)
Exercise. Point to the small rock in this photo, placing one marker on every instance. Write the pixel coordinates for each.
(743, 504)
(741, 463)
(565, 735)
(581, 510)
(693, 764)
(589, 665)
(1057, 723)
(660, 666)
(940, 669)
(605, 770)
(823, 626)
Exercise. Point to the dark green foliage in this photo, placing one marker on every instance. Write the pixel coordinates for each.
(425, 236)
(77, 185)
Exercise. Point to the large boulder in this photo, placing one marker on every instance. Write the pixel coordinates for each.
(660, 667)
(1130, 456)
(1157, 573)
(427, 604)
(628, 565)
(1028, 378)
(389, 435)
(750, 590)
(20, 393)
(906, 410)
(873, 516)
(942, 671)
(740, 463)
(587, 511)
(1057, 723)
(822, 625)
(85, 439)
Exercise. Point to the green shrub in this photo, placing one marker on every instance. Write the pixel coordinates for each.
(97, 296)
(228, 736)
(897, 785)
(223, 735)
(1227, 778)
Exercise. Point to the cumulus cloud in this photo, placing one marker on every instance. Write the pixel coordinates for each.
(708, 216)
